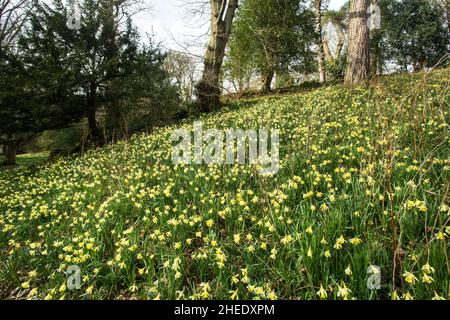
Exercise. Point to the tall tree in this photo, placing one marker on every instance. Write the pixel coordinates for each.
(84, 60)
(338, 21)
(320, 49)
(143, 97)
(415, 34)
(271, 37)
(376, 45)
(335, 24)
(358, 57)
(208, 89)
(27, 107)
(181, 67)
(13, 17)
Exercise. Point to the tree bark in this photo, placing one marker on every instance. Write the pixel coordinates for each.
(11, 153)
(91, 111)
(340, 42)
(326, 51)
(208, 89)
(320, 49)
(374, 60)
(113, 121)
(358, 60)
(267, 81)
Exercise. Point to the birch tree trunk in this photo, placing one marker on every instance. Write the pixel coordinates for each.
(358, 60)
(208, 89)
(320, 51)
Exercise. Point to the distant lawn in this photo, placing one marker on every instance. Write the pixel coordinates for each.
(28, 158)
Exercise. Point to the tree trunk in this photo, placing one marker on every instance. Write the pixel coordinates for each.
(11, 153)
(240, 86)
(320, 51)
(340, 42)
(380, 60)
(208, 89)
(91, 111)
(267, 81)
(358, 60)
(326, 51)
(375, 59)
(113, 121)
(423, 64)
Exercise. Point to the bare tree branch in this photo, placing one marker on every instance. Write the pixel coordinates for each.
(13, 16)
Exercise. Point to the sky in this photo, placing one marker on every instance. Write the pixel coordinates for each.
(168, 20)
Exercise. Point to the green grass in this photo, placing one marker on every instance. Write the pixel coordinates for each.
(27, 159)
(354, 164)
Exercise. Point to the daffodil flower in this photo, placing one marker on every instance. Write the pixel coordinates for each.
(343, 291)
(322, 293)
(89, 290)
(348, 271)
(410, 278)
(437, 297)
(427, 279)
(427, 268)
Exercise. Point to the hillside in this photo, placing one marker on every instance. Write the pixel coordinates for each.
(363, 173)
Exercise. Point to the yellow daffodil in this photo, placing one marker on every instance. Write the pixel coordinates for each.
(437, 297)
(408, 296)
(348, 271)
(89, 290)
(322, 293)
(427, 268)
(32, 292)
(355, 241)
(426, 278)
(440, 236)
(343, 291)
(409, 277)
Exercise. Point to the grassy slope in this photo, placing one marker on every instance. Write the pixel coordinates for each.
(139, 227)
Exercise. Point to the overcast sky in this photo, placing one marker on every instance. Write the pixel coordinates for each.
(170, 19)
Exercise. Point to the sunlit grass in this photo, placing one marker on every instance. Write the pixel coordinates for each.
(28, 158)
